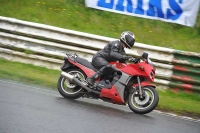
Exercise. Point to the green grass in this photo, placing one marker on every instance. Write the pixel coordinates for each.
(72, 14)
(28, 73)
(179, 103)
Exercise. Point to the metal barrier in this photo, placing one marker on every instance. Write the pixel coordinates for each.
(44, 43)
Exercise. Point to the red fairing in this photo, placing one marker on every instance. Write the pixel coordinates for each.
(112, 94)
(142, 69)
(88, 72)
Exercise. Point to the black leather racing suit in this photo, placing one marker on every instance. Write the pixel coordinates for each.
(113, 51)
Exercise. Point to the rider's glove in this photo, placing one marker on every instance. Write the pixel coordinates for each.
(137, 60)
(131, 59)
(124, 57)
(134, 60)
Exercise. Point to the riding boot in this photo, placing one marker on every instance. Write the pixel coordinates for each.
(91, 80)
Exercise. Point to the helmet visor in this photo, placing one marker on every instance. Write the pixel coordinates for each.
(130, 41)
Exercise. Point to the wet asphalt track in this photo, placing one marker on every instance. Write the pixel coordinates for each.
(25, 109)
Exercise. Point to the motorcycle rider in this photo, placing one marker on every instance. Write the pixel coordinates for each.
(113, 51)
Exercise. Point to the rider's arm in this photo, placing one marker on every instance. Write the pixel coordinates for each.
(115, 52)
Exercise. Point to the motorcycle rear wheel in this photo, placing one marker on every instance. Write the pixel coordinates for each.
(145, 105)
(68, 89)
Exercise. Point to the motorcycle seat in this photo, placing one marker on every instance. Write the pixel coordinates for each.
(86, 63)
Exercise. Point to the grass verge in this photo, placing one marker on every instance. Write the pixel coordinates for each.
(179, 103)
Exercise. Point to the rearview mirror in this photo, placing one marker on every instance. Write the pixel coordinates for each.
(145, 55)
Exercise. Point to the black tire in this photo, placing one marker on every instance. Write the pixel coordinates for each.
(71, 90)
(146, 105)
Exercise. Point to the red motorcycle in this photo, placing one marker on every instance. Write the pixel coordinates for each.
(131, 85)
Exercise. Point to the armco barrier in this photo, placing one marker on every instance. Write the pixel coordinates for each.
(175, 69)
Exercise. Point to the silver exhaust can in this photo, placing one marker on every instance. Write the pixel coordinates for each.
(67, 76)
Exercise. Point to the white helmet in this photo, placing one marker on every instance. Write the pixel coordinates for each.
(128, 38)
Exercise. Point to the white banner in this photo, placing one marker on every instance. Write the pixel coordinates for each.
(176, 11)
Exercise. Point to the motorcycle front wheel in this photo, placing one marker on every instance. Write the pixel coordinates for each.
(68, 89)
(147, 103)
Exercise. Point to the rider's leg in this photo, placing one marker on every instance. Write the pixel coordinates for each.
(100, 64)
(99, 73)
(106, 70)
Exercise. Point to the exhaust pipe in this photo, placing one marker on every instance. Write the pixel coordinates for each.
(67, 76)
(76, 81)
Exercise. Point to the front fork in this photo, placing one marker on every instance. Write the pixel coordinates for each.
(140, 88)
